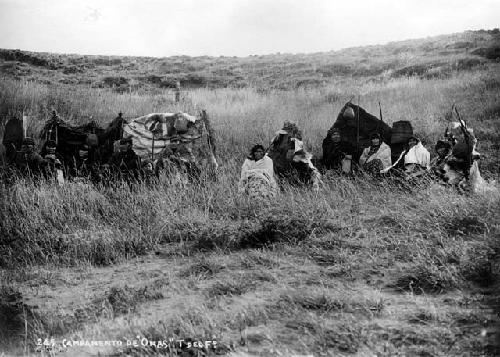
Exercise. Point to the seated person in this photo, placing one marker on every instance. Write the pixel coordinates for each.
(125, 163)
(84, 164)
(27, 161)
(415, 159)
(377, 157)
(147, 174)
(178, 157)
(55, 161)
(335, 151)
(304, 172)
(437, 165)
(257, 175)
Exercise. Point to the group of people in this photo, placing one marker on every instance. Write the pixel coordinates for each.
(257, 177)
(84, 164)
(375, 160)
(260, 168)
(413, 163)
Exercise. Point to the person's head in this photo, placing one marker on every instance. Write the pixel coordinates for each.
(125, 145)
(120, 114)
(147, 165)
(412, 141)
(335, 135)
(443, 148)
(83, 151)
(175, 142)
(51, 147)
(257, 152)
(376, 139)
(28, 145)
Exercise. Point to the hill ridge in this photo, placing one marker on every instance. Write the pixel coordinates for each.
(433, 57)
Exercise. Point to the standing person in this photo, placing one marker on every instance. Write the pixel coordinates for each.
(126, 163)
(377, 157)
(55, 116)
(257, 175)
(116, 129)
(177, 91)
(113, 133)
(118, 122)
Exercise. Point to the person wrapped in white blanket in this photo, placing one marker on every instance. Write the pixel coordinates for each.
(376, 158)
(414, 161)
(257, 175)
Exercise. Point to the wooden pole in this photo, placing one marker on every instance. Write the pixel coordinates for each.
(153, 148)
(357, 127)
(177, 91)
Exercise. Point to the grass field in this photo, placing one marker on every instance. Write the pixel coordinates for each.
(357, 269)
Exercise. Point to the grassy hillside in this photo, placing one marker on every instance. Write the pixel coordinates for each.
(434, 57)
(359, 268)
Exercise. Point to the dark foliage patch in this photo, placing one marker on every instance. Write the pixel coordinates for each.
(204, 268)
(15, 316)
(428, 278)
(465, 226)
(237, 286)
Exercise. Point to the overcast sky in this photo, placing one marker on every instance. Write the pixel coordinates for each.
(230, 27)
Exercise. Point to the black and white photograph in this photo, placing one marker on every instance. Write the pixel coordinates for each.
(249, 178)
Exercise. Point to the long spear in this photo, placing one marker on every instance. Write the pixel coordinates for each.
(357, 126)
(465, 132)
(381, 118)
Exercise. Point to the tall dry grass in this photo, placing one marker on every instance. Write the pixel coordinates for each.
(244, 116)
(78, 222)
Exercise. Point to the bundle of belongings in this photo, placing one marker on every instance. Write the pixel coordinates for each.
(291, 161)
(257, 175)
(457, 161)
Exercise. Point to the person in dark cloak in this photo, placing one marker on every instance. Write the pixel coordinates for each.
(28, 162)
(443, 149)
(335, 150)
(125, 163)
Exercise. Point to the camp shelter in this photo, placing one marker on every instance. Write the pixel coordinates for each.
(70, 138)
(154, 133)
(353, 121)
